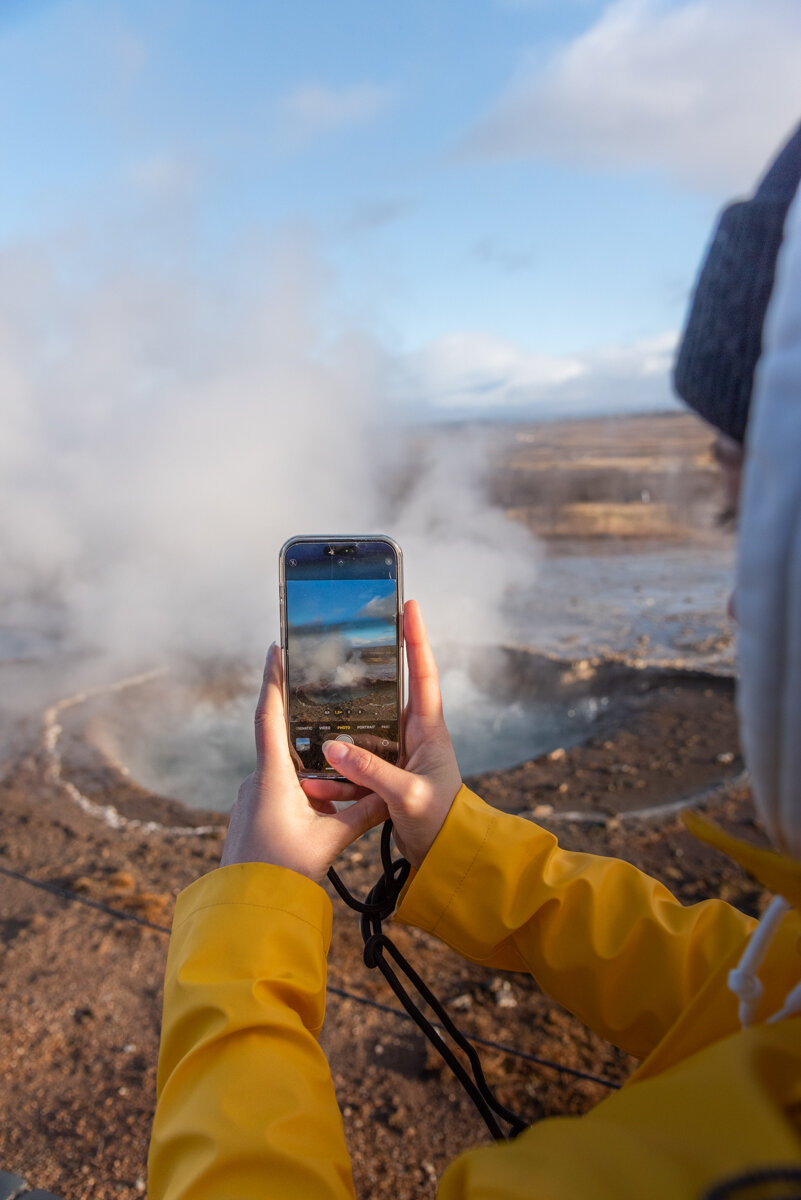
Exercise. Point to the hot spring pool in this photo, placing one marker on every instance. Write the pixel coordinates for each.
(195, 744)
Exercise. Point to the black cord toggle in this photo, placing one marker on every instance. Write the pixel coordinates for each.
(379, 905)
(372, 950)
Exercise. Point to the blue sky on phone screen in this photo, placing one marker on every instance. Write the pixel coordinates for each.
(370, 603)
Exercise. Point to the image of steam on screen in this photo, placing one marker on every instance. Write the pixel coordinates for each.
(342, 666)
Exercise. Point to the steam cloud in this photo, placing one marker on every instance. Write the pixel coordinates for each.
(162, 440)
(324, 659)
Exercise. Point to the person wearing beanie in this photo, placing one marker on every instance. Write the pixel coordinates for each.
(722, 338)
(707, 998)
(720, 354)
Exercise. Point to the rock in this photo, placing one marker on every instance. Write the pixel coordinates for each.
(122, 881)
(504, 997)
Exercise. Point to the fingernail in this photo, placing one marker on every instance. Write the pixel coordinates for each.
(335, 751)
(269, 659)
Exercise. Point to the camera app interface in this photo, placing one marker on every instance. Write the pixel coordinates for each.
(342, 649)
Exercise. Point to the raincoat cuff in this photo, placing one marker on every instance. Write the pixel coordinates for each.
(446, 869)
(249, 887)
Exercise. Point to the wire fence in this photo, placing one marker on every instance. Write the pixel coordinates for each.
(118, 914)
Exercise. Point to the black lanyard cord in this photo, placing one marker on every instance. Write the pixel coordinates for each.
(379, 905)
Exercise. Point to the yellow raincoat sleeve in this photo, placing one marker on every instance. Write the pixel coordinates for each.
(603, 939)
(245, 1101)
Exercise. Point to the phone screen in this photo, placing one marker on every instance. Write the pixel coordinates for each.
(342, 653)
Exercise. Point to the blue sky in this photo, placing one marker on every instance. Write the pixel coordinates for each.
(331, 601)
(507, 198)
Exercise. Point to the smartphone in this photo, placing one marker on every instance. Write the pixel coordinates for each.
(341, 600)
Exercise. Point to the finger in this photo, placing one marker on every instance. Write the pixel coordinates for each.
(331, 789)
(369, 771)
(356, 820)
(326, 807)
(425, 698)
(270, 723)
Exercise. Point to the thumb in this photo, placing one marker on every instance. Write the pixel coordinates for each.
(360, 816)
(369, 771)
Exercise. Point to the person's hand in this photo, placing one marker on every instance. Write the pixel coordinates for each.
(418, 795)
(273, 820)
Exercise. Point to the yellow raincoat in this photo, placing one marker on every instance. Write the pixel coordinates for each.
(246, 1106)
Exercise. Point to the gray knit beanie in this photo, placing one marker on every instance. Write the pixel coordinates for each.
(722, 339)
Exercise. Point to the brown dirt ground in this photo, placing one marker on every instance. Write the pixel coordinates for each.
(81, 991)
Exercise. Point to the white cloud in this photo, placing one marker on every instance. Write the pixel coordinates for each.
(380, 607)
(375, 214)
(703, 90)
(477, 374)
(508, 259)
(161, 177)
(314, 109)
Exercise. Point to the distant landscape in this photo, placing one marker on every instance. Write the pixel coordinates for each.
(645, 478)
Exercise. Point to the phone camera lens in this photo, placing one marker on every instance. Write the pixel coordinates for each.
(330, 551)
